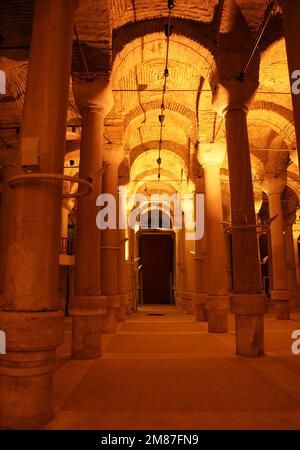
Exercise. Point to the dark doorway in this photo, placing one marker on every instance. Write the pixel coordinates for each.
(156, 252)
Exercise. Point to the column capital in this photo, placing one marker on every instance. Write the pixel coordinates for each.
(115, 154)
(273, 185)
(95, 94)
(234, 95)
(212, 154)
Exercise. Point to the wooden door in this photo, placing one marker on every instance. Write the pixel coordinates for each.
(155, 252)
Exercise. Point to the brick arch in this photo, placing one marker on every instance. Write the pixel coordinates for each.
(144, 127)
(16, 79)
(156, 104)
(279, 118)
(198, 47)
(272, 48)
(179, 149)
(16, 76)
(126, 11)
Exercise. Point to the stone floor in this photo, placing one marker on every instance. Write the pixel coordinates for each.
(167, 372)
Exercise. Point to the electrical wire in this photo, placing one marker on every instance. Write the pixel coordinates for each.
(161, 117)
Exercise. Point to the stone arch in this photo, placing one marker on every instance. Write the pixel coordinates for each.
(156, 104)
(145, 128)
(278, 117)
(126, 12)
(137, 50)
(150, 145)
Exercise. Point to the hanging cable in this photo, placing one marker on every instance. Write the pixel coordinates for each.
(270, 8)
(161, 117)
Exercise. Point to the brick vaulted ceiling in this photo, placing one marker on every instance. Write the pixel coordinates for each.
(126, 38)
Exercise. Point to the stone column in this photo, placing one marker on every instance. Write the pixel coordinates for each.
(247, 301)
(187, 262)
(30, 313)
(64, 222)
(291, 265)
(110, 247)
(291, 17)
(273, 187)
(123, 267)
(200, 294)
(88, 306)
(211, 157)
(296, 233)
(6, 203)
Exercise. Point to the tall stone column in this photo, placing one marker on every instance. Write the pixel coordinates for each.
(211, 157)
(296, 233)
(273, 187)
(187, 270)
(291, 265)
(247, 301)
(30, 313)
(200, 294)
(6, 203)
(88, 305)
(64, 222)
(123, 267)
(291, 17)
(110, 247)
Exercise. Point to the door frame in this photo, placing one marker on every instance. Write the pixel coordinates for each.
(156, 232)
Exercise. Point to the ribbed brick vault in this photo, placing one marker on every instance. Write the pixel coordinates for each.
(126, 40)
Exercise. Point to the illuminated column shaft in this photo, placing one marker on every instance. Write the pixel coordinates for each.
(64, 222)
(6, 205)
(273, 187)
(297, 263)
(124, 268)
(200, 295)
(211, 157)
(291, 266)
(247, 301)
(88, 305)
(110, 247)
(30, 313)
(187, 263)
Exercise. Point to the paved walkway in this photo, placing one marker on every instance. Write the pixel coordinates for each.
(167, 372)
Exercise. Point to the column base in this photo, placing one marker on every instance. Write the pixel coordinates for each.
(281, 302)
(129, 306)
(187, 302)
(123, 307)
(183, 301)
(249, 313)
(199, 300)
(26, 370)
(217, 313)
(87, 313)
(110, 320)
(293, 299)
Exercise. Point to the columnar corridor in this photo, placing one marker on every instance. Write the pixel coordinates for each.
(149, 214)
(166, 372)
